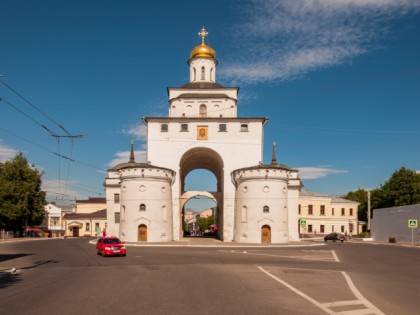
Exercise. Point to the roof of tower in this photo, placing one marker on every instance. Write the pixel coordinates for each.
(202, 85)
(203, 50)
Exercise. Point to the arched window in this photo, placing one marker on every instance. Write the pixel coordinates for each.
(203, 73)
(211, 75)
(244, 127)
(195, 74)
(184, 127)
(164, 128)
(142, 207)
(266, 209)
(203, 110)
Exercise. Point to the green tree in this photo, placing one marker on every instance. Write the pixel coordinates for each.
(21, 199)
(360, 196)
(205, 223)
(402, 189)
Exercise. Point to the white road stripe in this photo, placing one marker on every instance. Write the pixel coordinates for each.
(361, 300)
(335, 256)
(359, 295)
(316, 303)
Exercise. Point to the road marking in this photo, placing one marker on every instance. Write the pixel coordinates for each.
(359, 295)
(307, 297)
(360, 301)
(335, 256)
(312, 257)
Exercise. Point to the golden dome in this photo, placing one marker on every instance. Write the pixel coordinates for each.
(203, 50)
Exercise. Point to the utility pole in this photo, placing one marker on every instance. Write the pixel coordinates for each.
(368, 210)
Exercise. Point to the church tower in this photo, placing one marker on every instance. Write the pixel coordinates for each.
(202, 96)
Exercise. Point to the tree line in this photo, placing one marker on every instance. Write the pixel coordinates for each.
(401, 189)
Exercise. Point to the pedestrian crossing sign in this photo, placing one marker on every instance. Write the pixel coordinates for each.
(413, 223)
(303, 223)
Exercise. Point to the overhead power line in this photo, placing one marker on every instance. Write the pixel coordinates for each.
(50, 151)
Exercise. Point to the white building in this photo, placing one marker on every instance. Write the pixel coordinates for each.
(54, 220)
(255, 202)
(323, 214)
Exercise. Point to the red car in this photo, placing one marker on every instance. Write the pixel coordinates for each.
(110, 246)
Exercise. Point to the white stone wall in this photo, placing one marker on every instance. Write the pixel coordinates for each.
(237, 149)
(112, 185)
(220, 107)
(196, 66)
(257, 188)
(151, 187)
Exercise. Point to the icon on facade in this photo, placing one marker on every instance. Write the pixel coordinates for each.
(202, 133)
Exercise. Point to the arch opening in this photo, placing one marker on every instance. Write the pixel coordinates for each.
(201, 192)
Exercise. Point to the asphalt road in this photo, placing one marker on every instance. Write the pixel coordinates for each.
(67, 277)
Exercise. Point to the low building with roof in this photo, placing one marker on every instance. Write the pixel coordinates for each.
(320, 214)
(84, 224)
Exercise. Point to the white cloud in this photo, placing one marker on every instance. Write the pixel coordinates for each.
(137, 131)
(283, 40)
(124, 157)
(6, 153)
(59, 190)
(309, 172)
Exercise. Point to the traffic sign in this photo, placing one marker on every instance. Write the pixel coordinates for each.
(303, 223)
(413, 223)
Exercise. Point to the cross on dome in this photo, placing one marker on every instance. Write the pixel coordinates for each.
(203, 33)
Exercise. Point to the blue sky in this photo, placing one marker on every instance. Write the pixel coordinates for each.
(339, 81)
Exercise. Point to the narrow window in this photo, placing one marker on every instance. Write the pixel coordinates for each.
(194, 75)
(343, 211)
(142, 207)
(244, 213)
(322, 210)
(342, 229)
(203, 110)
(164, 128)
(332, 228)
(244, 127)
(211, 75)
(299, 209)
(222, 127)
(116, 198)
(164, 216)
(322, 228)
(266, 209)
(184, 127)
(87, 226)
(351, 211)
(332, 211)
(116, 217)
(203, 73)
(310, 228)
(310, 209)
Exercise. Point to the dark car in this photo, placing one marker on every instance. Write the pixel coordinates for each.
(334, 237)
(110, 246)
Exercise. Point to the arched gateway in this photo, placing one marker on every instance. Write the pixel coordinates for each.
(208, 159)
(203, 131)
